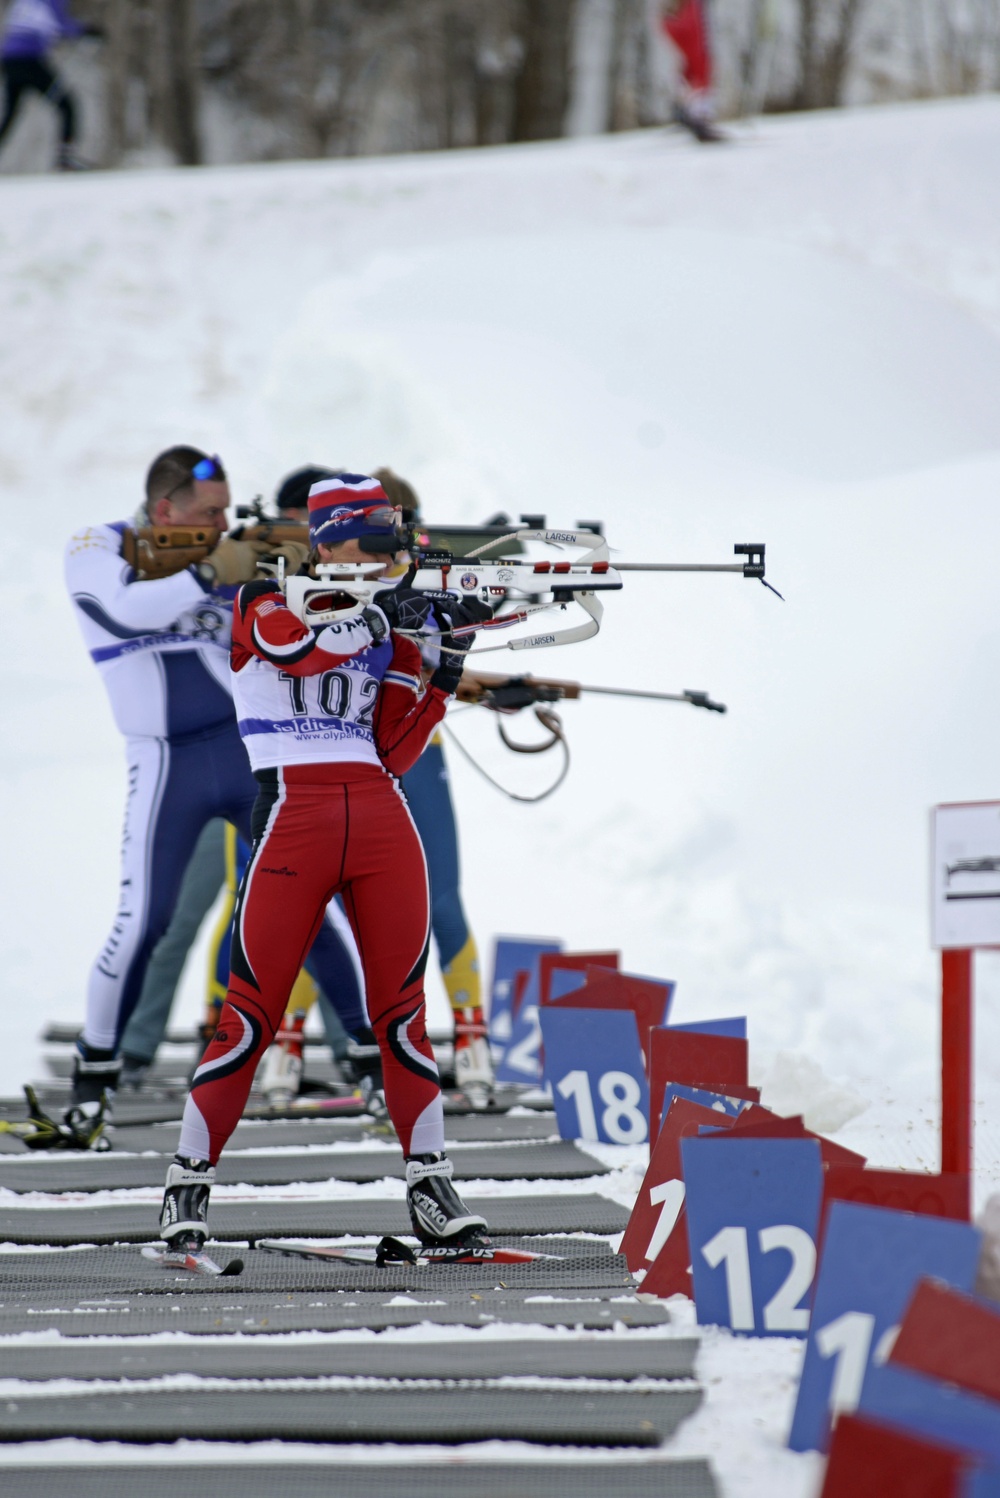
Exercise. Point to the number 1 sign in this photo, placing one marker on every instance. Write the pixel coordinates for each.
(659, 1204)
(872, 1260)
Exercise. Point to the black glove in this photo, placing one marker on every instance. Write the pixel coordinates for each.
(454, 613)
(461, 612)
(404, 608)
(449, 672)
(513, 695)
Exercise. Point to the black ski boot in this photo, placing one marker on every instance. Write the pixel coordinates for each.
(363, 1061)
(439, 1216)
(92, 1095)
(184, 1214)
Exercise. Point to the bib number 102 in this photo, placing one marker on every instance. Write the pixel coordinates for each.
(621, 1120)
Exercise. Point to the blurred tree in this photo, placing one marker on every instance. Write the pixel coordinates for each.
(118, 33)
(826, 34)
(176, 72)
(545, 28)
(968, 45)
(629, 75)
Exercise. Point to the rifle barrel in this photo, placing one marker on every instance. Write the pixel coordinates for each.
(678, 566)
(634, 692)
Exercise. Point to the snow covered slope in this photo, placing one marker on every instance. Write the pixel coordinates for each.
(793, 339)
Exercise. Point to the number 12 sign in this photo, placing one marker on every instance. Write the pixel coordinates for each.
(753, 1214)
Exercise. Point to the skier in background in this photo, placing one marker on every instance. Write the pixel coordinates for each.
(30, 29)
(217, 864)
(684, 24)
(428, 792)
(162, 648)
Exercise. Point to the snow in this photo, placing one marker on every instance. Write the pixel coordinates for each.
(792, 340)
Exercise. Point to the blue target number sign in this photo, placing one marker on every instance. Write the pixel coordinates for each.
(872, 1260)
(753, 1214)
(518, 1034)
(593, 1065)
(511, 955)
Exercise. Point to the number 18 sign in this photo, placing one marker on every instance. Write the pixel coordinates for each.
(594, 1066)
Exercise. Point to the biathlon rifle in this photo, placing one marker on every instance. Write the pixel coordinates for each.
(339, 589)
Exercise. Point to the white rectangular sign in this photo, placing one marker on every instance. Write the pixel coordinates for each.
(965, 875)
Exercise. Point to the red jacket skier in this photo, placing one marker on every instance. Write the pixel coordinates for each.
(331, 713)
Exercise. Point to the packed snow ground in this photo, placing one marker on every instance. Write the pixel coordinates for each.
(793, 340)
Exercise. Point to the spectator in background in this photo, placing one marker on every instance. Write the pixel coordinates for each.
(30, 29)
(683, 23)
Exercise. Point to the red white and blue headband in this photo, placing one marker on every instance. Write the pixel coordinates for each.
(347, 507)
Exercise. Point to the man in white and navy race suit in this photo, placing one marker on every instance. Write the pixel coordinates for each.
(162, 648)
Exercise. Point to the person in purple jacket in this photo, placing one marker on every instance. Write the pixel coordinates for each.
(31, 28)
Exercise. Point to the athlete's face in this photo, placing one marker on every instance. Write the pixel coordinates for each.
(204, 504)
(352, 551)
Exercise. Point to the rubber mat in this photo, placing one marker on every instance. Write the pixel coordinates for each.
(319, 1067)
(208, 1315)
(62, 1172)
(596, 1477)
(469, 1128)
(165, 1105)
(562, 1212)
(576, 1264)
(283, 1134)
(61, 1033)
(600, 1355)
(456, 1414)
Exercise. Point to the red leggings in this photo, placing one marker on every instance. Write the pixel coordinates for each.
(320, 830)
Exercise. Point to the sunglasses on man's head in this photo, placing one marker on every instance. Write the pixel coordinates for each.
(209, 468)
(205, 468)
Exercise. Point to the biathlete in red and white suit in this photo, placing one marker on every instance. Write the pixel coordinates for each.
(330, 716)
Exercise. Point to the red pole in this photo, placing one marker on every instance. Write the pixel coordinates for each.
(956, 1065)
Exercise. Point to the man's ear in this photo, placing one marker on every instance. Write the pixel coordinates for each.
(160, 512)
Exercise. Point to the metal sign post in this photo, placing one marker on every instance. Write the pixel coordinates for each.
(965, 914)
(957, 1064)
